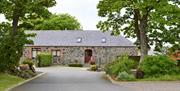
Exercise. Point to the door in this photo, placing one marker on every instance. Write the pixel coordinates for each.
(88, 56)
(56, 56)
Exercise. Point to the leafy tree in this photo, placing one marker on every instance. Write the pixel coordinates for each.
(54, 22)
(11, 49)
(151, 22)
(12, 38)
(16, 10)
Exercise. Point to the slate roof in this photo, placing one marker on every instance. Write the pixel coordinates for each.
(70, 37)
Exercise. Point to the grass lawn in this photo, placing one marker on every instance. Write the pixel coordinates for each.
(162, 78)
(7, 81)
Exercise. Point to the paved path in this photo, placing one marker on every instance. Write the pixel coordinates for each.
(70, 79)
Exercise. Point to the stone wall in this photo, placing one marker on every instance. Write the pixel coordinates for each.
(100, 54)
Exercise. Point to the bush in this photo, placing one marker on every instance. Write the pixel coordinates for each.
(124, 76)
(121, 64)
(75, 65)
(44, 59)
(93, 67)
(155, 66)
(29, 62)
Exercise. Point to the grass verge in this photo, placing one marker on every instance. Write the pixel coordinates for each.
(7, 81)
(162, 78)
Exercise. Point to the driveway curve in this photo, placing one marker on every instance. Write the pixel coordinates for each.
(70, 79)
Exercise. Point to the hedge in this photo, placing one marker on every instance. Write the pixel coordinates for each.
(44, 59)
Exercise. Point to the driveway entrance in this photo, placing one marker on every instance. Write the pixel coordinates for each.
(70, 79)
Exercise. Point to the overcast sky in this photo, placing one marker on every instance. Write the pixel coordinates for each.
(84, 10)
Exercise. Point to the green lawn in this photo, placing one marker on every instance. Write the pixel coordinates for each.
(163, 78)
(7, 81)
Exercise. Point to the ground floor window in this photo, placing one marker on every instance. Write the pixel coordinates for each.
(56, 53)
(35, 51)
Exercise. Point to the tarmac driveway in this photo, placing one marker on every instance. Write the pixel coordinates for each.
(70, 79)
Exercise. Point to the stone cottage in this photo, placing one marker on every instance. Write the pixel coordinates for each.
(82, 46)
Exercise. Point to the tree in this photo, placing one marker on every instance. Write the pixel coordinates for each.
(151, 22)
(11, 50)
(54, 22)
(13, 38)
(16, 10)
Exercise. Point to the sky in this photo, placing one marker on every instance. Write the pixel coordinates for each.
(2, 18)
(84, 10)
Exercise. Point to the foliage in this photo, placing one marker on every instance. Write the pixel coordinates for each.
(44, 59)
(29, 62)
(154, 66)
(124, 76)
(174, 49)
(12, 38)
(18, 10)
(54, 22)
(163, 78)
(151, 22)
(75, 65)
(8, 81)
(93, 67)
(25, 9)
(121, 64)
(11, 47)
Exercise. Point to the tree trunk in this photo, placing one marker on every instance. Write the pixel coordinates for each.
(143, 37)
(15, 23)
(136, 25)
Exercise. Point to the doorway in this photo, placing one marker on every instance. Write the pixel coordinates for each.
(56, 56)
(88, 55)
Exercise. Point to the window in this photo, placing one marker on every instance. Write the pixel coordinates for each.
(79, 40)
(103, 40)
(35, 51)
(56, 53)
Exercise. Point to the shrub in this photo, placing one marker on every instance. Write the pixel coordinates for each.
(44, 59)
(29, 62)
(124, 76)
(75, 65)
(121, 64)
(157, 66)
(93, 67)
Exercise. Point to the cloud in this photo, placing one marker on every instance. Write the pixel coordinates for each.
(84, 10)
